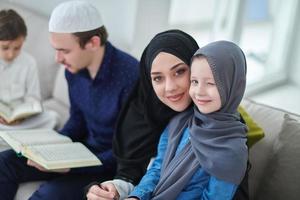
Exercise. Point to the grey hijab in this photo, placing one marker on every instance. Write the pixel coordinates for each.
(217, 140)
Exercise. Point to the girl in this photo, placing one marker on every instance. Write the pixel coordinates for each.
(203, 155)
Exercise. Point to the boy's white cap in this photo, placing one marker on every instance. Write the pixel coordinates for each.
(74, 16)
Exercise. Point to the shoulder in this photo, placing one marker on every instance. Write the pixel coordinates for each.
(26, 60)
(125, 65)
(25, 63)
(123, 58)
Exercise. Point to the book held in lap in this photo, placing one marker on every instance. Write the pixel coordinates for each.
(16, 110)
(49, 148)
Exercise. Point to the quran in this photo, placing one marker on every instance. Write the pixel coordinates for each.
(49, 149)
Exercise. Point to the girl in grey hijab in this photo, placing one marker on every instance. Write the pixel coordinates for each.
(202, 153)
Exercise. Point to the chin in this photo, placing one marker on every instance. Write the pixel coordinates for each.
(179, 108)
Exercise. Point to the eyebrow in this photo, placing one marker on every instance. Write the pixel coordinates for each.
(205, 78)
(172, 68)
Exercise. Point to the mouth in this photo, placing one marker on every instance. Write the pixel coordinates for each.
(67, 66)
(8, 60)
(175, 98)
(202, 101)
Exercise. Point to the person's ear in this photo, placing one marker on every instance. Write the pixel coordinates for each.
(93, 43)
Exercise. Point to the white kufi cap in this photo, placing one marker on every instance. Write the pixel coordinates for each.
(74, 16)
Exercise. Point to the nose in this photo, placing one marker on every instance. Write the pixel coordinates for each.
(10, 55)
(58, 57)
(170, 85)
(200, 89)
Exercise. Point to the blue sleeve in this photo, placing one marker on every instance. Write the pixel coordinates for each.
(218, 189)
(149, 181)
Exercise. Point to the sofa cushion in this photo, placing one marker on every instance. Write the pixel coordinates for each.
(26, 189)
(60, 90)
(270, 119)
(283, 167)
(255, 132)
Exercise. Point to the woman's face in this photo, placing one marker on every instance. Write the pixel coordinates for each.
(170, 78)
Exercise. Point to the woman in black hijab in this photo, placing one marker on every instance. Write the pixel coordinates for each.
(143, 118)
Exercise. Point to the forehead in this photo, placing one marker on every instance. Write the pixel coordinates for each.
(200, 67)
(63, 40)
(165, 62)
(13, 43)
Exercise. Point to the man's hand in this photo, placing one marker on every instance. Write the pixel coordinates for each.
(104, 191)
(39, 167)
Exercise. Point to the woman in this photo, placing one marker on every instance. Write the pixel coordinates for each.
(144, 117)
(202, 154)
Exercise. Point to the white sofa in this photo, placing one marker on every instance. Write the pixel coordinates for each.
(53, 84)
(275, 159)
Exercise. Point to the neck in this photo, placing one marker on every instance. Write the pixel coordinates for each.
(96, 62)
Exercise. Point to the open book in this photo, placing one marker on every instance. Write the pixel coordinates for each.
(19, 109)
(49, 148)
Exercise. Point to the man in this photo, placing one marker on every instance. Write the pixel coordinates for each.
(99, 78)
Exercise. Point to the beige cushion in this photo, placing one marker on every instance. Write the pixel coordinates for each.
(60, 91)
(270, 119)
(283, 167)
(26, 190)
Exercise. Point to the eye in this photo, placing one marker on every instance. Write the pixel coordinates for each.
(5, 48)
(66, 51)
(194, 82)
(156, 79)
(180, 71)
(210, 83)
(17, 48)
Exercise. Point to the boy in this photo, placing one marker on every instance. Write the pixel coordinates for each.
(18, 72)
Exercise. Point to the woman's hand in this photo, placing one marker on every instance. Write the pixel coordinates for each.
(104, 191)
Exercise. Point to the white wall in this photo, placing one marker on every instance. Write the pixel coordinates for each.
(118, 16)
(130, 23)
(295, 56)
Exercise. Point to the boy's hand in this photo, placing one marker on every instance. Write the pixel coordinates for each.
(39, 167)
(106, 191)
(3, 121)
(15, 122)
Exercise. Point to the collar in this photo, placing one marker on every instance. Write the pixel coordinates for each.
(104, 71)
(4, 65)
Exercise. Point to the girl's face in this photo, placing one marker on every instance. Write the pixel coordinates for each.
(170, 80)
(203, 89)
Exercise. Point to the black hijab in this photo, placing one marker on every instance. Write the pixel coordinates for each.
(143, 117)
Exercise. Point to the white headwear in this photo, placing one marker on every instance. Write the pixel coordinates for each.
(74, 16)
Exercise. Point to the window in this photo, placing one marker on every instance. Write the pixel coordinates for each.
(263, 29)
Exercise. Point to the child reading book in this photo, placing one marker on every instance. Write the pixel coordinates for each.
(19, 79)
(202, 153)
